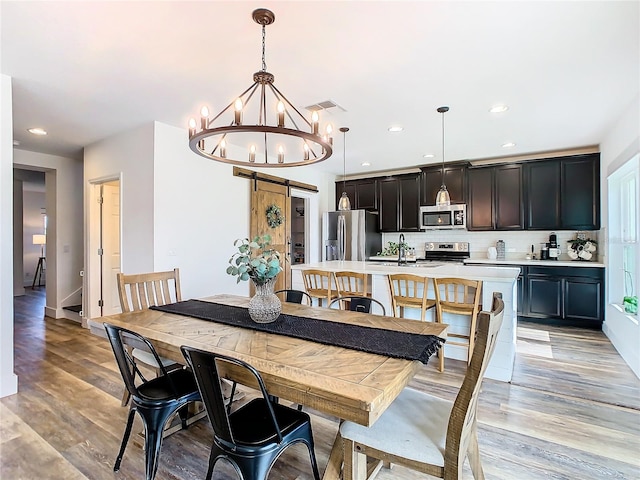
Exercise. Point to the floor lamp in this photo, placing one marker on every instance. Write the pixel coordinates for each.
(39, 239)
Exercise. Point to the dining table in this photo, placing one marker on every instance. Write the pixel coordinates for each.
(346, 383)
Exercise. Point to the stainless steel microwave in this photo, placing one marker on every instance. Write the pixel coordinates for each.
(443, 218)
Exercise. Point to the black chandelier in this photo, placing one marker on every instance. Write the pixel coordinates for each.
(275, 139)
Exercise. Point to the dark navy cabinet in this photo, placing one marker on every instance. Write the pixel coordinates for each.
(566, 295)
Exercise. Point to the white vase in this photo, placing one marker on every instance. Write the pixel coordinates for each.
(265, 306)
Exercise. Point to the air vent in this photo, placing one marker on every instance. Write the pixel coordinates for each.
(325, 105)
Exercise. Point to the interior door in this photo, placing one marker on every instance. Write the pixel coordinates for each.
(263, 195)
(110, 247)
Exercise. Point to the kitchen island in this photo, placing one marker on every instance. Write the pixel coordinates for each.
(494, 279)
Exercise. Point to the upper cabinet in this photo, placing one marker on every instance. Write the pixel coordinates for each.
(552, 194)
(362, 193)
(455, 178)
(399, 203)
(580, 193)
(495, 198)
(563, 193)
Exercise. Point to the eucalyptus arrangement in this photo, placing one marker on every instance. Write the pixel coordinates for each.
(254, 260)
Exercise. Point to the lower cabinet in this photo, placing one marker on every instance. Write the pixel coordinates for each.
(567, 295)
(572, 296)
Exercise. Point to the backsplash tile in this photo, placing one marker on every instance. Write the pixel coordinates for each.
(518, 243)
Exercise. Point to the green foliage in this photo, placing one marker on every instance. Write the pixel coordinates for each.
(392, 248)
(254, 260)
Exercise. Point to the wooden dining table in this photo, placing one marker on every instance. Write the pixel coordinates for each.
(348, 384)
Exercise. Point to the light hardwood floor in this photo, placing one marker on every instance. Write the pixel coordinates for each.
(571, 412)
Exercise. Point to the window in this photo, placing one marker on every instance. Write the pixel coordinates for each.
(624, 200)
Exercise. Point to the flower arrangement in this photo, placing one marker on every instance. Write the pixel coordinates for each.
(274, 216)
(254, 260)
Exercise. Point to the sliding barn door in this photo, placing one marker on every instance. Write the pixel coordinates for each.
(263, 195)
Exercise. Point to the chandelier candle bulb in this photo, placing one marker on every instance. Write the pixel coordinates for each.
(280, 114)
(204, 117)
(305, 147)
(252, 153)
(315, 121)
(192, 126)
(280, 154)
(237, 117)
(328, 136)
(223, 148)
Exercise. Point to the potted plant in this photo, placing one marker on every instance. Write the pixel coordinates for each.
(256, 261)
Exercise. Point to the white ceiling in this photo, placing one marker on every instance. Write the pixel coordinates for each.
(567, 69)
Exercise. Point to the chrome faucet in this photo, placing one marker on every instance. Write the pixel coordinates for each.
(402, 254)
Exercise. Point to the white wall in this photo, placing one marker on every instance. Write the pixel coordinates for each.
(179, 209)
(8, 380)
(65, 247)
(129, 157)
(619, 145)
(200, 209)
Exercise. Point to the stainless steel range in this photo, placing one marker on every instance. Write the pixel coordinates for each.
(446, 252)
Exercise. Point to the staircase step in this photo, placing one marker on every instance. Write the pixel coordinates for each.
(73, 308)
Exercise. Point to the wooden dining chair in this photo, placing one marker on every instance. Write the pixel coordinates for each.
(143, 290)
(427, 433)
(352, 283)
(410, 291)
(461, 297)
(319, 284)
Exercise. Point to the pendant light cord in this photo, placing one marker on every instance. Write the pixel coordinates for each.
(442, 150)
(344, 161)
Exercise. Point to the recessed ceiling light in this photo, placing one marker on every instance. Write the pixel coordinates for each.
(508, 145)
(395, 128)
(499, 108)
(37, 131)
(428, 155)
(365, 164)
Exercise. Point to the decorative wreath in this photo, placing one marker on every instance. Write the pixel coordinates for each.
(274, 216)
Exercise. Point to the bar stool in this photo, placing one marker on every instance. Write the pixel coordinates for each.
(461, 297)
(352, 283)
(409, 290)
(318, 284)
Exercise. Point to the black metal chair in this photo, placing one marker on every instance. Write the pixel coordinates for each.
(357, 303)
(155, 400)
(252, 437)
(295, 296)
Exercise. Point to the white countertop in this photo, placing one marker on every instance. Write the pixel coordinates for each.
(536, 263)
(435, 269)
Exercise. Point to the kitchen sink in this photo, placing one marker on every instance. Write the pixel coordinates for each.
(410, 265)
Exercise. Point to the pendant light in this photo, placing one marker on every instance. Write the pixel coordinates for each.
(442, 198)
(344, 203)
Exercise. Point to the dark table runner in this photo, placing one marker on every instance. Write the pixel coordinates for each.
(390, 343)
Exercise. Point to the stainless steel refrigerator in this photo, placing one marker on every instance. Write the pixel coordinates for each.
(350, 235)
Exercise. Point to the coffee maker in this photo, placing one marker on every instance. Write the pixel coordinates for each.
(554, 250)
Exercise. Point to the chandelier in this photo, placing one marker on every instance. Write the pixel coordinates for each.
(280, 137)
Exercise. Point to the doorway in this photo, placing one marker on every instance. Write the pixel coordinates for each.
(298, 231)
(104, 257)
